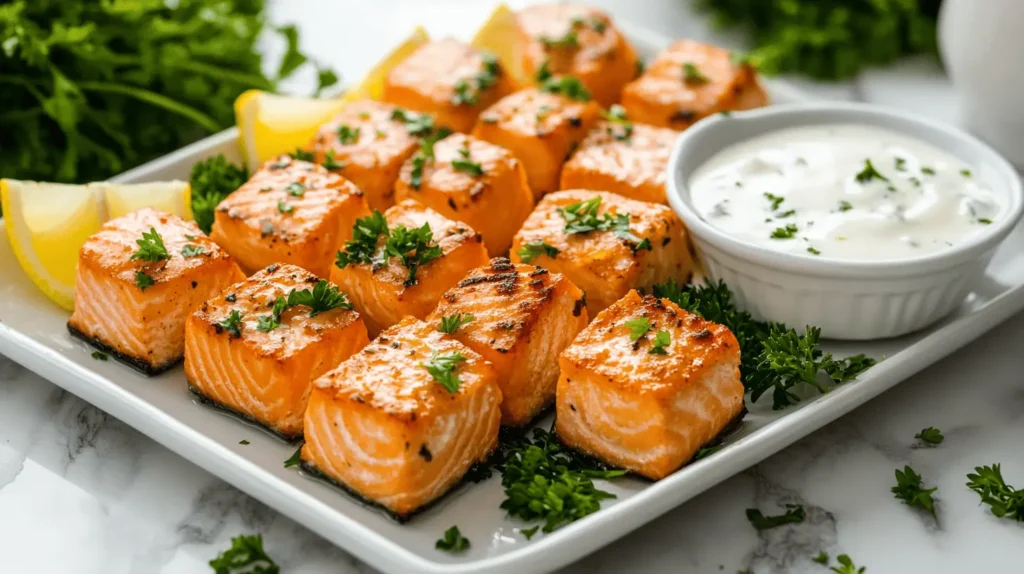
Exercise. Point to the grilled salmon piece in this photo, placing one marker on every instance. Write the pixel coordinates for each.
(475, 182)
(383, 425)
(241, 356)
(539, 128)
(290, 211)
(622, 157)
(450, 80)
(622, 402)
(579, 41)
(689, 81)
(367, 143)
(384, 288)
(518, 317)
(631, 244)
(135, 308)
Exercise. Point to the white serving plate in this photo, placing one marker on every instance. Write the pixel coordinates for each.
(33, 333)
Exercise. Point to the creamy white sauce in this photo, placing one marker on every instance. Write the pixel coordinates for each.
(809, 190)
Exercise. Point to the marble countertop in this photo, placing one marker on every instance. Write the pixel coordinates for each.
(81, 492)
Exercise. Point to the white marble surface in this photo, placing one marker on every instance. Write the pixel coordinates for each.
(80, 492)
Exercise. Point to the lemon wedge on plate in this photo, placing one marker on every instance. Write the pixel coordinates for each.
(500, 35)
(174, 197)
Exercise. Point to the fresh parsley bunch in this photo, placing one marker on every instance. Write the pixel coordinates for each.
(89, 89)
(829, 39)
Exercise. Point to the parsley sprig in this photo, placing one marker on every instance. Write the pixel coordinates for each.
(413, 247)
(868, 173)
(930, 435)
(142, 280)
(451, 323)
(211, 181)
(617, 115)
(846, 566)
(908, 489)
(568, 86)
(467, 91)
(534, 249)
(1004, 500)
(245, 555)
(363, 245)
(232, 323)
(638, 327)
(582, 217)
(693, 75)
(452, 541)
(415, 124)
(442, 368)
(794, 513)
(661, 340)
(151, 247)
(322, 298)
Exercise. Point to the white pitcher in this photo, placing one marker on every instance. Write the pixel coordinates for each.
(982, 46)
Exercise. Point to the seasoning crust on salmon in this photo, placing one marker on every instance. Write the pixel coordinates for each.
(135, 307)
(384, 427)
(647, 384)
(518, 317)
(257, 360)
(290, 211)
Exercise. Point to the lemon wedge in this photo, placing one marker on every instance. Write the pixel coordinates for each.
(500, 35)
(372, 86)
(174, 197)
(271, 124)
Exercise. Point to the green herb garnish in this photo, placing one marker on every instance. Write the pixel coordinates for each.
(296, 189)
(661, 340)
(638, 327)
(192, 250)
(965, 172)
(568, 86)
(267, 323)
(467, 166)
(245, 555)
(99, 356)
(330, 162)
(930, 435)
(1004, 500)
(617, 115)
(845, 205)
(908, 489)
(787, 232)
(901, 164)
(243, 442)
(232, 323)
(775, 199)
(211, 181)
(151, 247)
(322, 298)
(868, 173)
(451, 323)
(582, 217)
(285, 208)
(348, 135)
(529, 532)
(415, 124)
(821, 558)
(568, 40)
(467, 91)
(794, 513)
(453, 541)
(295, 459)
(442, 369)
(142, 280)
(413, 247)
(302, 155)
(928, 171)
(984, 221)
(846, 566)
(693, 75)
(813, 251)
(534, 249)
(363, 245)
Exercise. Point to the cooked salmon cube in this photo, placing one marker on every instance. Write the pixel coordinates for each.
(689, 81)
(403, 260)
(646, 385)
(541, 129)
(450, 80)
(604, 243)
(138, 279)
(622, 157)
(402, 421)
(518, 317)
(367, 143)
(290, 211)
(258, 345)
(472, 181)
(580, 41)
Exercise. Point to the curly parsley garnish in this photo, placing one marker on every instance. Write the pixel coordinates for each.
(151, 247)
(567, 40)
(413, 247)
(321, 299)
(442, 369)
(245, 555)
(453, 541)
(693, 75)
(363, 245)
(1004, 500)
(296, 189)
(232, 323)
(534, 249)
(582, 217)
(908, 489)
(868, 173)
(142, 280)
(211, 181)
(568, 86)
(930, 435)
(794, 513)
(425, 155)
(451, 323)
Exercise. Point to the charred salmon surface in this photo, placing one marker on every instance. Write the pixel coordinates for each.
(401, 422)
(138, 279)
(646, 384)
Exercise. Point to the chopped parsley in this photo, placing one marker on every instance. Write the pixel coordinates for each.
(245, 555)
(295, 459)
(568, 86)
(794, 513)
(582, 217)
(787, 232)
(813, 251)
(965, 172)
(928, 171)
(322, 298)
(442, 369)
(451, 323)
(415, 124)
(192, 250)
(787, 213)
(846, 566)
(425, 154)
(232, 323)
(534, 249)
(821, 558)
(908, 489)
(299, 154)
(617, 115)
(1004, 500)
(467, 166)
(984, 221)
(285, 208)
(267, 323)
(330, 162)
(467, 91)
(99, 356)
(296, 189)
(568, 40)
(453, 541)
(693, 75)
(845, 205)
(901, 164)
(775, 199)
(142, 280)
(348, 135)
(930, 435)
(868, 173)
(638, 327)
(529, 532)
(243, 442)
(661, 340)
(151, 247)
(543, 72)
(413, 247)
(266, 228)
(363, 245)
(707, 451)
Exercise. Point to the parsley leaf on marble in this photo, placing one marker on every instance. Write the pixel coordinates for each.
(246, 555)
(794, 513)
(1004, 500)
(908, 489)
(453, 541)
(930, 435)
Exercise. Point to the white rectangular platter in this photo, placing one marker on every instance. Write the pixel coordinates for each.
(33, 333)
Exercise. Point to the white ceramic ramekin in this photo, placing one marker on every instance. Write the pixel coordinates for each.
(847, 299)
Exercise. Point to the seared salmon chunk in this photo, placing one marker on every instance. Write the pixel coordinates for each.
(400, 262)
(450, 80)
(290, 211)
(689, 81)
(646, 385)
(541, 129)
(367, 143)
(472, 181)
(622, 157)
(256, 347)
(576, 40)
(604, 243)
(518, 317)
(138, 279)
(402, 421)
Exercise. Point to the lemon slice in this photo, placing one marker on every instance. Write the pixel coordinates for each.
(174, 197)
(372, 86)
(270, 124)
(47, 223)
(500, 35)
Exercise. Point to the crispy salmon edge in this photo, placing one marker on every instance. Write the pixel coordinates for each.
(141, 365)
(218, 406)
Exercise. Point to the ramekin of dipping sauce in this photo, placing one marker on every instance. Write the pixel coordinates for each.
(867, 222)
